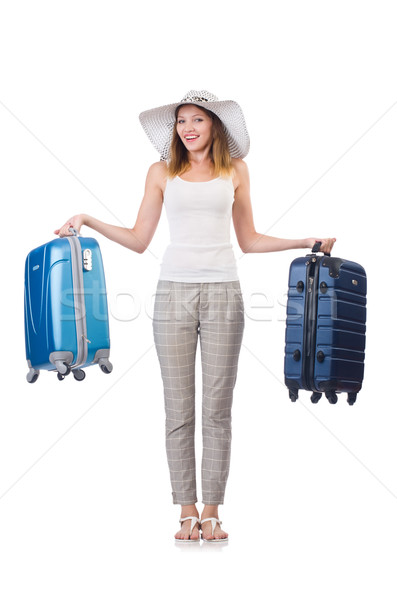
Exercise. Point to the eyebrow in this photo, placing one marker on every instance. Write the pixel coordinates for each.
(196, 115)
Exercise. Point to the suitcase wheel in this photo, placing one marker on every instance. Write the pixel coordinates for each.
(293, 394)
(351, 398)
(78, 374)
(315, 397)
(105, 365)
(332, 397)
(63, 370)
(32, 376)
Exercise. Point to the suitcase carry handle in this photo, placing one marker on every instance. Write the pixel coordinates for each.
(316, 248)
(74, 231)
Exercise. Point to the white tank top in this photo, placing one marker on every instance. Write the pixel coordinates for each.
(199, 215)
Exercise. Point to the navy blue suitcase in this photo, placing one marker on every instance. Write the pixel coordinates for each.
(325, 328)
(66, 312)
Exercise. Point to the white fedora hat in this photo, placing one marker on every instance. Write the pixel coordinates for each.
(158, 122)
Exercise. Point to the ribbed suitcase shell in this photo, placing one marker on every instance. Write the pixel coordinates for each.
(325, 347)
(57, 314)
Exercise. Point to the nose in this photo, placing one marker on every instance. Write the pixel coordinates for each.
(189, 126)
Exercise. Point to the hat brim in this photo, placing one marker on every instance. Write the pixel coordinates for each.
(158, 124)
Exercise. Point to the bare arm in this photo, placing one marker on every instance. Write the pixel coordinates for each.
(248, 238)
(138, 237)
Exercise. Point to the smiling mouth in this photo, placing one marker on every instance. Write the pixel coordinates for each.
(191, 138)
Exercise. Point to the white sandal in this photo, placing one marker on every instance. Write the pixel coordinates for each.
(214, 521)
(193, 523)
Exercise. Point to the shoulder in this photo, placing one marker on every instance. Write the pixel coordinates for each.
(241, 174)
(158, 169)
(157, 174)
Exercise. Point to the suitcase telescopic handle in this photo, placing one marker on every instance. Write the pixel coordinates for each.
(316, 248)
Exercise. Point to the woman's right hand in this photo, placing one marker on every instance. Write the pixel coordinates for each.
(76, 222)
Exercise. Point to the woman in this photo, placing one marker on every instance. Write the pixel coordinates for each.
(203, 182)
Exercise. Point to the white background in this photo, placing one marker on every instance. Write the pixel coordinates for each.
(85, 498)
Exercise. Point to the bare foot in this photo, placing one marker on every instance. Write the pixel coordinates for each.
(206, 529)
(184, 532)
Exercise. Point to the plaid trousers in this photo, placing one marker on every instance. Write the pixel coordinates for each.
(183, 312)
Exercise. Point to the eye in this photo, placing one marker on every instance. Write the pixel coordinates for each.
(198, 119)
(180, 121)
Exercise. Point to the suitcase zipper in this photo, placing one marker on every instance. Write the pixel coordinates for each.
(79, 303)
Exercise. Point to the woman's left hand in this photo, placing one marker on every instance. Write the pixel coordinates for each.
(326, 244)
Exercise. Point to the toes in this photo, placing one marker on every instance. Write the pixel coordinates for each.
(222, 535)
(184, 533)
(219, 534)
(180, 535)
(195, 533)
(208, 536)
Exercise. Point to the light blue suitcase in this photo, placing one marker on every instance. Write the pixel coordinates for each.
(66, 311)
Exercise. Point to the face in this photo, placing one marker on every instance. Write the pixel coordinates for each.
(194, 127)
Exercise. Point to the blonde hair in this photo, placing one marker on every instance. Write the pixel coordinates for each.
(178, 162)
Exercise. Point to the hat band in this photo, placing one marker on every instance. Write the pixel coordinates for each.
(194, 99)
